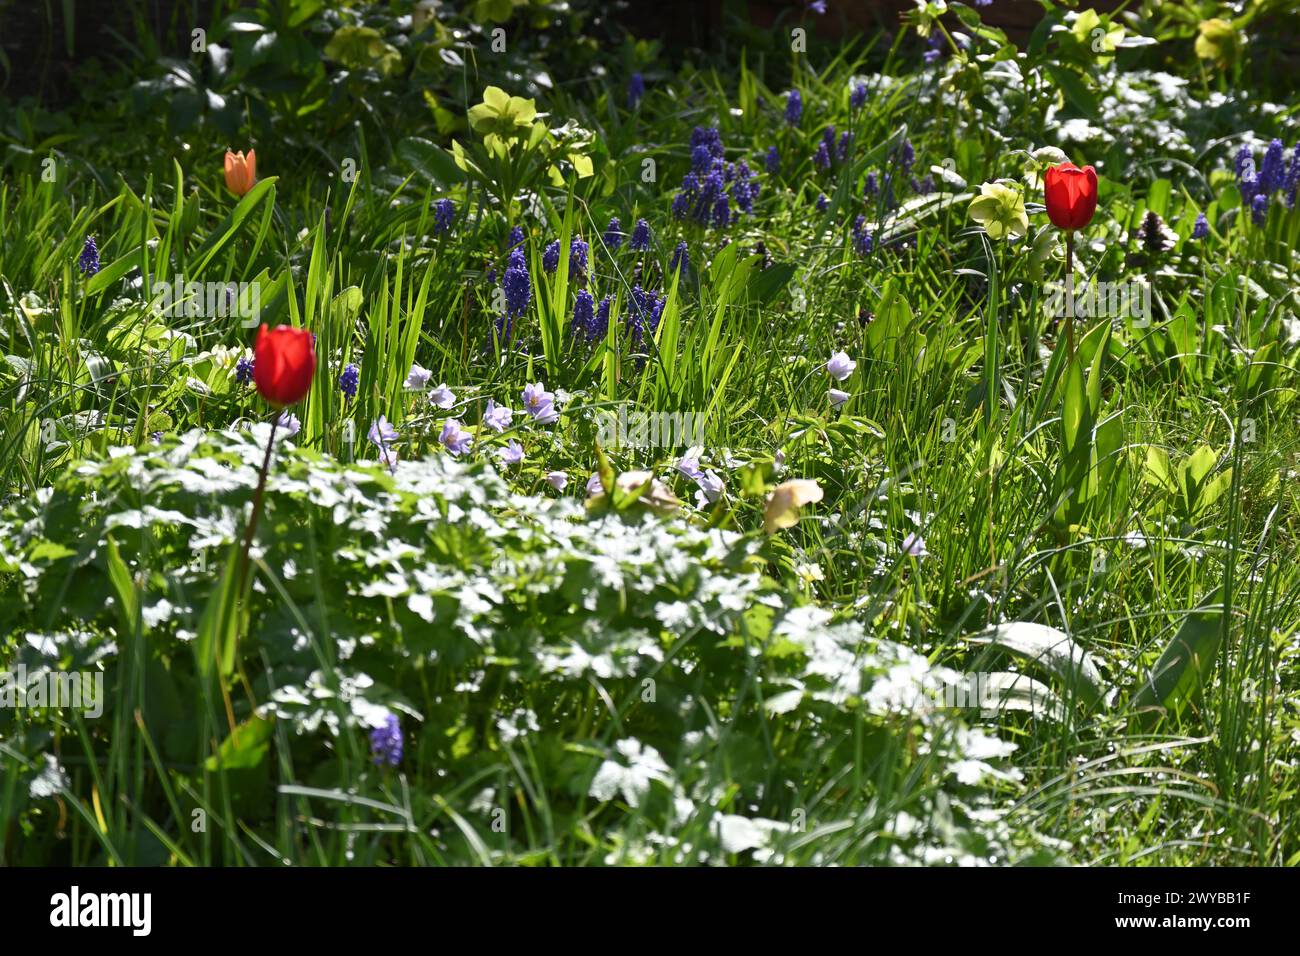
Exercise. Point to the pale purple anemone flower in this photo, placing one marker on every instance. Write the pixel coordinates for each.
(557, 480)
(417, 379)
(497, 417)
(381, 433)
(914, 546)
(442, 396)
(711, 488)
(836, 397)
(840, 366)
(540, 403)
(594, 487)
(454, 438)
(689, 468)
(513, 453)
(288, 425)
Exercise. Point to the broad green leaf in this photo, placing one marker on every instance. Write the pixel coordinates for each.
(1186, 663)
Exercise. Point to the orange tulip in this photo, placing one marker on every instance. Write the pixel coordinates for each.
(241, 172)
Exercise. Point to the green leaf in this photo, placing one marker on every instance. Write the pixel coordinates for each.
(218, 631)
(1075, 89)
(245, 748)
(1186, 663)
(128, 598)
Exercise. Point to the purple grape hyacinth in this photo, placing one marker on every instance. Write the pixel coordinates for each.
(613, 237)
(444, 214)
(88, 262)
(681, 257)
(349, 380)
(386, 742)
(551, 256)
(640, 241)
(793, 107)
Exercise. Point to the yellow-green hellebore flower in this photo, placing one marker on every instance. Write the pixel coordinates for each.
(507, 116)
(1000, 209)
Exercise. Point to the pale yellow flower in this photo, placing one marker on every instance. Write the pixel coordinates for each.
(1000, 209)
(783, 506)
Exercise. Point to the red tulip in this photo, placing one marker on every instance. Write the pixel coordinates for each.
(284, 361)
(1071, 195)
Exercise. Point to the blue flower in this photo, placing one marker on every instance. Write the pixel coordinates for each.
(1273, 170)
(584, 308)
(908, 157)
(681, 205)
(822, 157)
(817, 6)
(640, 236)
(454, 438)
(773, 161)
(349, 380)
(613, 237)
(516, 237)
(871, 187)
(540, 404)
(842, 150)
(1246, 178)
(600, 327)
(444, 213)
(681, 255)
(858, 98)
(822, 202)
(701, 158)
(578, 252)
(721, 212)
(386, 742)
(793, 107)
(934, 48)
(709, 137)
(517, 285)
(745, 188)
(635, 90)
(244, 371)
(1259, 209)
(551, 256)
(644, 312)
(88, 262)
(1292, 180)
(1200, 228)
(862, 240)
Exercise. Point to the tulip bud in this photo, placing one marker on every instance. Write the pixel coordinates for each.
(241, 171)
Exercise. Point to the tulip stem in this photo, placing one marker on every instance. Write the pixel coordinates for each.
(257, 509)
(1069, 294)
